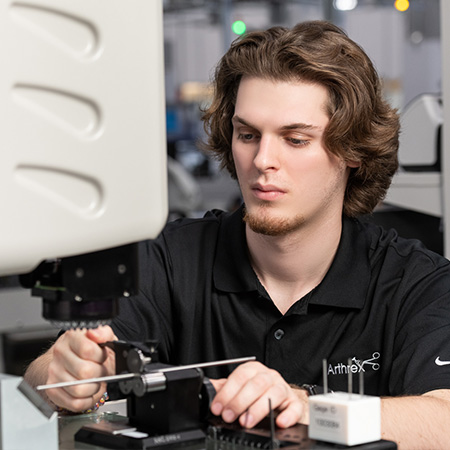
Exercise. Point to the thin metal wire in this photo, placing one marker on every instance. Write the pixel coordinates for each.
(325, 376)
(124, 376)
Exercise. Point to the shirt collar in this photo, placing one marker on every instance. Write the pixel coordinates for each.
(345, 284)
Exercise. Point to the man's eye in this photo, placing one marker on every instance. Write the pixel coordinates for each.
(298, 142)
(245, 136)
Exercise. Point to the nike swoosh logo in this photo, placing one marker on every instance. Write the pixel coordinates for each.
(441, 363)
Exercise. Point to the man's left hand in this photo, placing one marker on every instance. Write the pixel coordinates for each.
(245, 394)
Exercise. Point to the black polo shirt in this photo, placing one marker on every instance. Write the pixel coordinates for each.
(382, 309)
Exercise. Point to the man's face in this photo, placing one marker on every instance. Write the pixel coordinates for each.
(287, 178)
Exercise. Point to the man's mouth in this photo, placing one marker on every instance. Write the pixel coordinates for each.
(267, 191)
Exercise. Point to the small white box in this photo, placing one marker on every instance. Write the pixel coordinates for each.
(345, 418)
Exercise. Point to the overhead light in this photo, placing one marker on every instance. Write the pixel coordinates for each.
(345, 5)
(401, 5)
(238, 27)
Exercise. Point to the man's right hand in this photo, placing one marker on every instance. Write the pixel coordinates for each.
(76, 355)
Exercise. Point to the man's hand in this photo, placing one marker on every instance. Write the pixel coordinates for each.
(246, 392)
(76, 355)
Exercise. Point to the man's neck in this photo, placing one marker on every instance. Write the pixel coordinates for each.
(290, 266)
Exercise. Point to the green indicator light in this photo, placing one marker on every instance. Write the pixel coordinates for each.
(238, 27)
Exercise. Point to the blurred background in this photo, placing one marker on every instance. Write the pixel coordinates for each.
(402, 38)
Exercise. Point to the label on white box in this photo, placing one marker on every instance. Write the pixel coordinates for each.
(343, 418)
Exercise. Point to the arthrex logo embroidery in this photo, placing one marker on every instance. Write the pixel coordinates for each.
(357, 365)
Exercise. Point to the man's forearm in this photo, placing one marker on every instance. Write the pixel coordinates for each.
(417, 422)
(37, 372)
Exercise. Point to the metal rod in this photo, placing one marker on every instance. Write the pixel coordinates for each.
(124, 376)
(274, 443)
(361, 383)
(350, 377)
(207, 364)
(325, 376)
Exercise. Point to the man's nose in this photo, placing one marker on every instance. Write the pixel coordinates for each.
(268, 154)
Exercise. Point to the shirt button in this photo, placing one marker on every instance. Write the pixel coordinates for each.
(278, 334)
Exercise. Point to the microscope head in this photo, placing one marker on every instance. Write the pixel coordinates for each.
(83, 291)
(84, 158)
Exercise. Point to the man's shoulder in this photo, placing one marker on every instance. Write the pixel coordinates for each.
(195, 226)
(386, 246)
(201, 234)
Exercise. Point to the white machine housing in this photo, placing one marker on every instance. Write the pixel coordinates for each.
(82, 127)
(420, 135)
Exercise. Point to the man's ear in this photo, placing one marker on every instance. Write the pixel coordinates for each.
(353, 164)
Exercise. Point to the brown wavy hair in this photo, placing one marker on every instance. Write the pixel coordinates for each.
(362, 126)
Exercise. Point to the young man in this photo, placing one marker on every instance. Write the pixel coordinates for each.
(292, 277)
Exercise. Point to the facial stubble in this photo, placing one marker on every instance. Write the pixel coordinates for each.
(262, 222)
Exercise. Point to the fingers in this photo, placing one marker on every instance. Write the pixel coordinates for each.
(218, 383)
(245, 396)
(101, 334)
(75, 400)
(77, 356)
